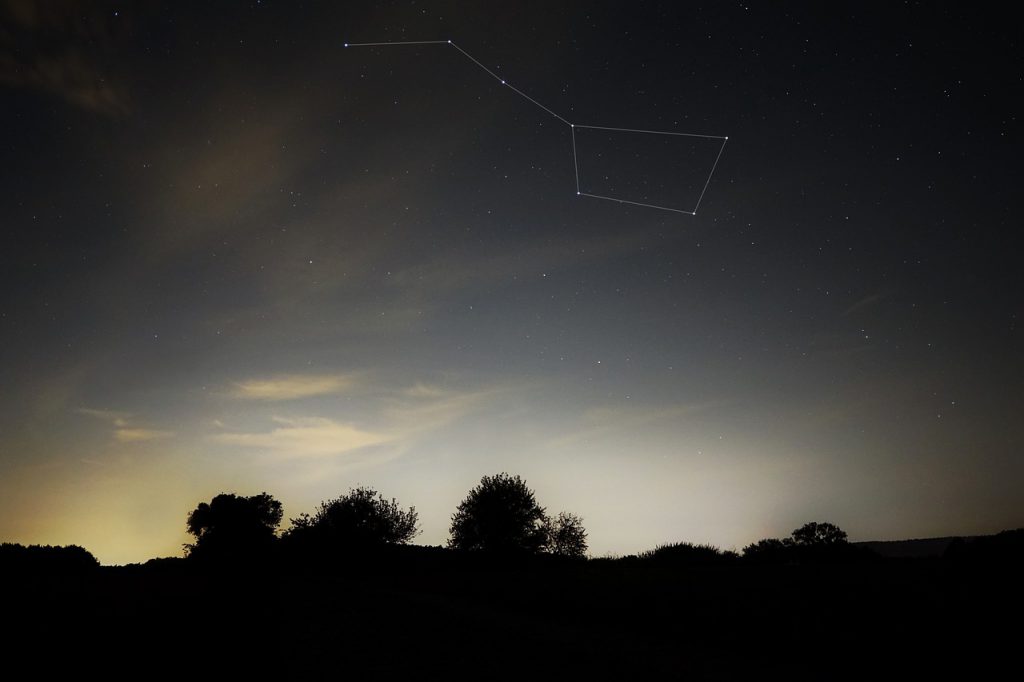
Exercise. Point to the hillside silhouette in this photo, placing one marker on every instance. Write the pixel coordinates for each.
(344, 591)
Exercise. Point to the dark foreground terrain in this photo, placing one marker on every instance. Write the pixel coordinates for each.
(413, 612)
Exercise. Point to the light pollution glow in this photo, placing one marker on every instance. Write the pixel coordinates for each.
(238, 258)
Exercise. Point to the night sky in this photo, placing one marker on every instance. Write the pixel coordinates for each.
(237, 256)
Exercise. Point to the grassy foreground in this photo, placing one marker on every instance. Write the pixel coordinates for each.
(410, 612)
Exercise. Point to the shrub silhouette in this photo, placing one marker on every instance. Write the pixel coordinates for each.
(361, 518)
(1005, 547)
(565, 535)
(685, 553)
(233, 526)
(15, 558)
(768, 551)
(501, 514)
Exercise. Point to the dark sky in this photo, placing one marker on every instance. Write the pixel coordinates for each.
(240, 257)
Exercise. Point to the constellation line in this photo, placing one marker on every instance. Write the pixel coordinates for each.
(653, 132)
(406, 42)
(713, 167)
(503, 82)
(573, 126)
(575, 165)
(636, 203)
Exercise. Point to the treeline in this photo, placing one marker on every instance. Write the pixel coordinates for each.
(36, 559)
(814, 542)
(499, 518)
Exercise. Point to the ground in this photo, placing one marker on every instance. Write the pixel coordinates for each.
(424, 611)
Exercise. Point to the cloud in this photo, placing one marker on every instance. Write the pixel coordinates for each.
(292, 386)
(601, 423)
(59, 49)
(119, 419)
(865, 302)
(307, 437)
(402, 417)
(423, 407)
(68, 75)
(421, 390)
(124, 431)
(129, 435)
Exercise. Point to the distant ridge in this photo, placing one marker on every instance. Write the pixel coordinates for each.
(917, 548)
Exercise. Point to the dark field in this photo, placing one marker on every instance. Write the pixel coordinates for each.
(418, 611)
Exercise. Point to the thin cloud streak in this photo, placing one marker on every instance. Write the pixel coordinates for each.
(600, 422)
(293, 386)
(124, 430)
(307, 437)
(115, 418)
(402, 415)
(139, 435)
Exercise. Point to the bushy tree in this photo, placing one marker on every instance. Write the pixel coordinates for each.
(818, 534)
(360, 518)
(812, 542)
(500, 514)
(769, 550)
(566, 535)
(233, 525)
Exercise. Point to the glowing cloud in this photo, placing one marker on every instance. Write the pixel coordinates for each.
(129, 435)
(306, 437)
(124, 430)
(118, 419)
(292, 386)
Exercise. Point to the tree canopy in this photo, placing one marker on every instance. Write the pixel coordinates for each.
(814, 541)
(566, 535)
(233, 525)
(500, 514)
(362, 517)
(818, 534)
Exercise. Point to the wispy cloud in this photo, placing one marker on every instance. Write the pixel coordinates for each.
(400, 417)
(58, 49)
(307, 437)
(124, 430)
(115, 418)
(421, 390)
(292, 386)
(131, 435)
(864, 302)
(425, 407)
(601, 422)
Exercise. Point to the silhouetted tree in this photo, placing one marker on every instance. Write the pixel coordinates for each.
(818, 534)
(768, 551)
(499, 515)
(566, 535)
(812, 542)
(360, 518)
(232, 526)
(17, 558)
